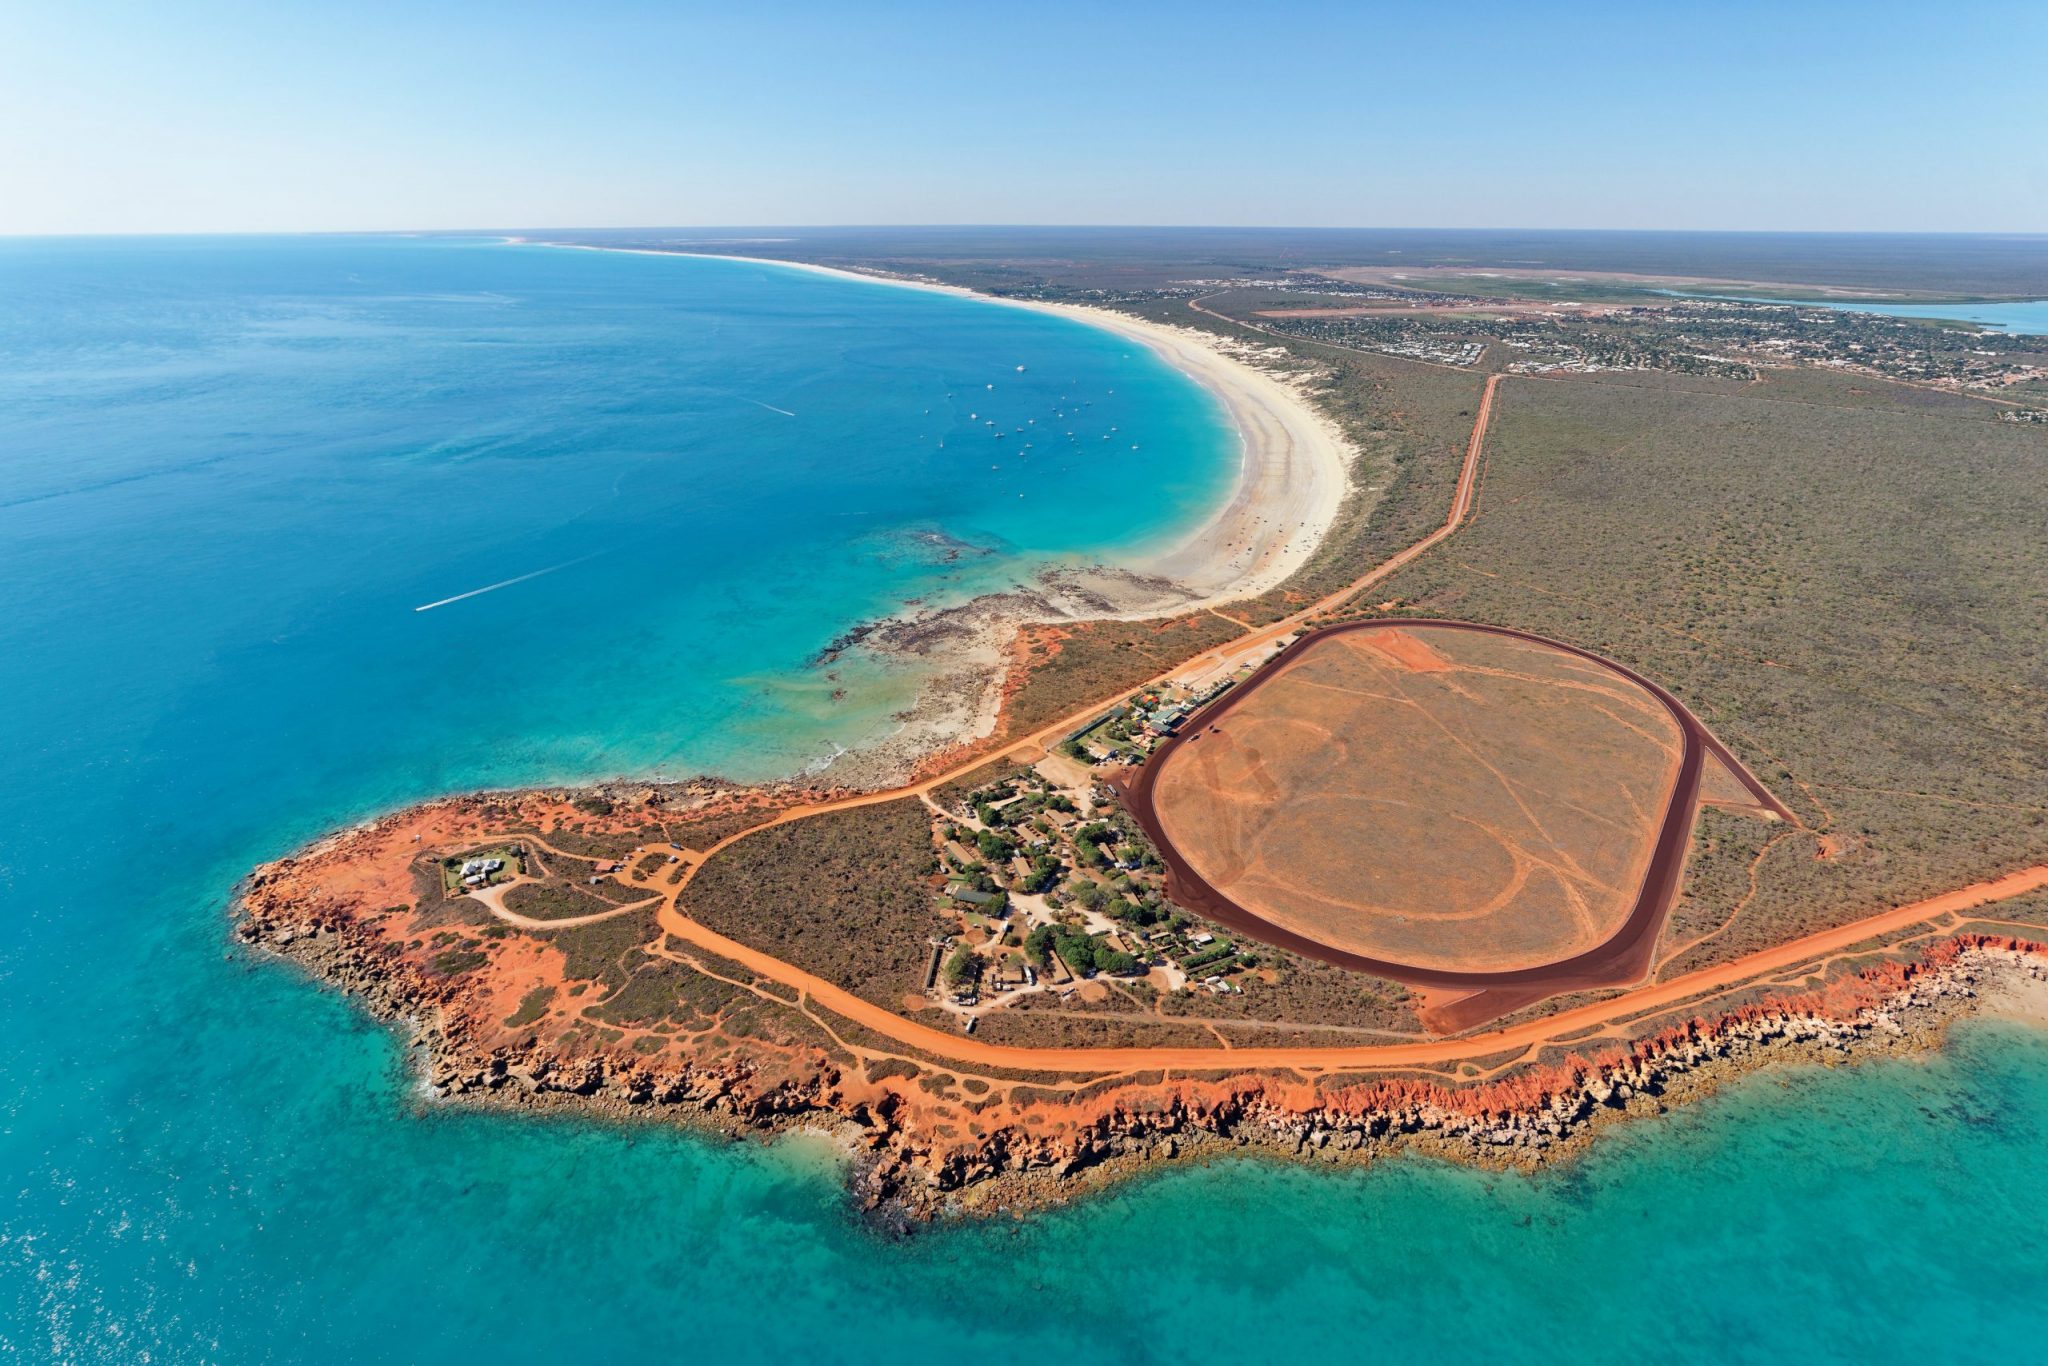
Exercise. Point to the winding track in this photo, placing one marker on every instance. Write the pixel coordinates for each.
(1096, 1062)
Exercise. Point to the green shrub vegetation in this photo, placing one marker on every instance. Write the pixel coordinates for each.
(843, 895)
(1845, 580)
(1082, 952)
(659, 991)
(454, 962)
(963, 966)
(597, 952)
(532, 1006)
(1095, 659)
(552, 901)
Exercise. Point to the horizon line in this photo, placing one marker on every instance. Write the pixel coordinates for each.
(2014, 233)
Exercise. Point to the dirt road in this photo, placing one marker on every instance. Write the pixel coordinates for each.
(1096, 1062)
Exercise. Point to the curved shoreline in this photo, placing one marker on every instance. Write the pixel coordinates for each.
(1293, 465)
(1035, 1139)
(1293, 477)
(888, 1084)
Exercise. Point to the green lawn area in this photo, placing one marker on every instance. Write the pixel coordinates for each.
(451, 867)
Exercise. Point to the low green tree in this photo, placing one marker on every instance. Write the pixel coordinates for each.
(963, 965)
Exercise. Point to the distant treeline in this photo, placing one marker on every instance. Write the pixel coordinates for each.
(1983, 264)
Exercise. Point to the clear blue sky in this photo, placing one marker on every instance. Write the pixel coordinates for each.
(146, 116)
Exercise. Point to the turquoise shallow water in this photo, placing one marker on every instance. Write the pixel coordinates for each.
(229, 472)
(2018, 316)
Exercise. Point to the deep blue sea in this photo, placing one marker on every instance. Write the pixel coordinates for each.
(232, 471)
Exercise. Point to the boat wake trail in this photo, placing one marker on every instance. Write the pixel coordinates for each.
(770, 407)
(507, 583)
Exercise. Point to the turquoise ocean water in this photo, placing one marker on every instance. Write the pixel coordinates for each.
(2017, 316)
(230, 471)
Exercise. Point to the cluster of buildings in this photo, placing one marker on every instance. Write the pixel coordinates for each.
(481, 872)
(1129, 733)
(1725, 338)
(1047, 884)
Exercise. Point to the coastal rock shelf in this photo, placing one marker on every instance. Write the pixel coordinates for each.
(599, 1007)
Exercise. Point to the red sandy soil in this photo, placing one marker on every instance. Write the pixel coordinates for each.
(1622, 949)
(1438, 797)
(349, 890)
(348, 878)
(1409, 649)
(935, 1109)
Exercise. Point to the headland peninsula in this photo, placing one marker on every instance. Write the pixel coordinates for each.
(1578, 701)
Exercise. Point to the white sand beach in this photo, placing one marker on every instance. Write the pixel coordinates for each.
(1292, 478)
(1293, 472)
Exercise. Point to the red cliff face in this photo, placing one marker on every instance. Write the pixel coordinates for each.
(924, 1145)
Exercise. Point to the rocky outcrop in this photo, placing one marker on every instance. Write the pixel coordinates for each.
(1524, 1120)
(1032, 1154)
